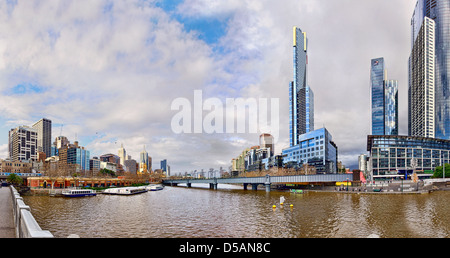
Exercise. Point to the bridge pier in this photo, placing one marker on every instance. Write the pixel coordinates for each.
(213, 186)
(189, 185)
(267, 185)
(255, 187)
(245, 186)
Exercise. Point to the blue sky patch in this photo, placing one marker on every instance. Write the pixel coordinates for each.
(210, 29)
(26, 88)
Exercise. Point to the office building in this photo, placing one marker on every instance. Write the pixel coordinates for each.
(109, 166)
(94, 165)
(439, 12)
(421, 90)
(164, 165)
(301, 97)
(74, 157)
(144, 164)
(266, 141)
(61, 141)
(44, 135)
(122, 155)
(384, 94)
(377, 78)
(22, 144)
(362, 162)
(130, 166)
(391, 156)
(316, 149)
(391, 107)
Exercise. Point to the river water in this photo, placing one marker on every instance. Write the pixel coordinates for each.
(203, 213)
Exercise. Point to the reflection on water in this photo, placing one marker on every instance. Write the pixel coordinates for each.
(181, 212)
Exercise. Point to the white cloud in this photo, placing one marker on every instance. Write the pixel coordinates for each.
(109, 70)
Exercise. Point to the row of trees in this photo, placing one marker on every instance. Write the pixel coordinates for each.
(438, 172)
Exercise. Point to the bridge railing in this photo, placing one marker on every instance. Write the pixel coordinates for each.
(269, 179)
(21, 174)
(25, 224)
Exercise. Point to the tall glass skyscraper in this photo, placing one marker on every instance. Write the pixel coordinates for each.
(301, 97)
(391, 107)
(384, 100)
(439, 11)
(377, 77)
(421, 90)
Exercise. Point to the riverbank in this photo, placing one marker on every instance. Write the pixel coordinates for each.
(384, 187)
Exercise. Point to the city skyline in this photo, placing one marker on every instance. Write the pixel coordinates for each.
(110, 80)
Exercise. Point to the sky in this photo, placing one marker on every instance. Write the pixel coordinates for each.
(106, 72)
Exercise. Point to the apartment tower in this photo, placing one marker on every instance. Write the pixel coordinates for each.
(301, 97)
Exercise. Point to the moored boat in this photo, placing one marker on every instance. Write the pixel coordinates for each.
(78, 192)
(125, 190)
(155, 187)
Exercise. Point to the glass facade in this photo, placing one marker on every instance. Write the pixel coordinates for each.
(316, 149)
(79, 156)
(391, 107)
(301, 97)
(394, 155)
(439, 11)
(377, 77)
(384, 100)
(421, 90)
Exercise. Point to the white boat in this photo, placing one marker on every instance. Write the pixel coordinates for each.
(155, 187)
(125, 190)
(78, 192)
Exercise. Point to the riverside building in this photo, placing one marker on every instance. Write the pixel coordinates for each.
(316, 149)
(307, 146)
(301, 97)
(421, 90)
(384, 100)
(392, 156)
(439, 12)
(22, 144)
(44, 136)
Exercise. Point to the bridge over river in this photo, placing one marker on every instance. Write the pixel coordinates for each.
(267, 180)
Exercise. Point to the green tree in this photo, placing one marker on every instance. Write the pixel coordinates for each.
(438, 171)
(105, 171)
(14, 179)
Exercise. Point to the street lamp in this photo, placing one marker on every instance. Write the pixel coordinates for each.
(402, 183)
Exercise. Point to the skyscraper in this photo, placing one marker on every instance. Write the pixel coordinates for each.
(384, 95)
(307, 146)
(266, 141)
(144, 165)
(377, 77)
(44, 135)
(122, 155)
(22, 143)
(439, 11)
(301, 97)
(421, 90)
(391, 107)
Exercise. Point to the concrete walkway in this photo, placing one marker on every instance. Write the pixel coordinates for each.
(7, 229)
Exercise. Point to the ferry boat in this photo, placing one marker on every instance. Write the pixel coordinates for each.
(155, 187)
(78, 192)
(125, 190)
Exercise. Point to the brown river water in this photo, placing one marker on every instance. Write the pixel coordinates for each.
(202, 213)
